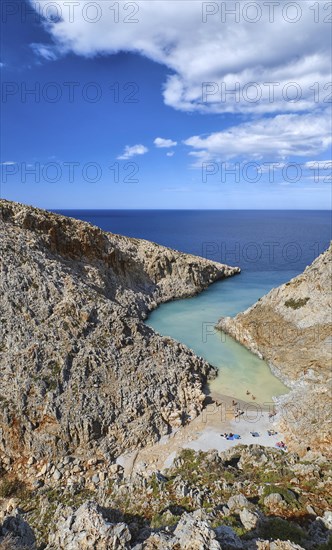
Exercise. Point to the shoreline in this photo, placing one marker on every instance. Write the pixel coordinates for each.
(204, 433)
(275, 371)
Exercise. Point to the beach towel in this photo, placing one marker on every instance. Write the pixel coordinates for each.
(234, 436)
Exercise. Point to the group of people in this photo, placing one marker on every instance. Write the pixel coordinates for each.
(239, 412)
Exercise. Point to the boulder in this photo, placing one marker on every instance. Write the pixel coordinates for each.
(237, 502)
(88, 529)
(194, 534)
(273, 500)
(249, 519)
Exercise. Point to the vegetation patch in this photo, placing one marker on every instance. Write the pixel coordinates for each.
(296, 304)
(286, 494)
(278, 528)
(12, 488)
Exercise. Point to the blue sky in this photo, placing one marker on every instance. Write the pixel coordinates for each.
(131, 109)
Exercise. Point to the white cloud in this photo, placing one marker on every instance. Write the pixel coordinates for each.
(161, 142)
(270, 138)
(7, 163)
(133, 151)
(227, 53)
(47, 52)
(170, 154)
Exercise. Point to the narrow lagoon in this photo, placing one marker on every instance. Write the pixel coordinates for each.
(191, 321)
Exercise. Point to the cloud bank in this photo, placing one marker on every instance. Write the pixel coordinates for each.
(222, 56)
(275, 138)
(268, 62)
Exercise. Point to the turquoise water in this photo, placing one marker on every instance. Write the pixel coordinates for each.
(191, 321)
(271, 247)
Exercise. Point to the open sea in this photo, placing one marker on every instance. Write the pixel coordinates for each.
(271, 247)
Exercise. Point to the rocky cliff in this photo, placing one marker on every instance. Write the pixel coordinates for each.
(83, 379)
(290, 327)
(80, 372)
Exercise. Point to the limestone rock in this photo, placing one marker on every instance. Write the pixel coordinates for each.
(190, 534)
(290, 327)
(80, 371)
(249, 519)
(194, 534)
(17, 532)
(88, 529)
(238, 502)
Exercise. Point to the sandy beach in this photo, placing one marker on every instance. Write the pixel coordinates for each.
(205, 433)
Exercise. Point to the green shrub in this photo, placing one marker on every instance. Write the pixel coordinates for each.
(277, 528)
(283, 491)
(12, 488)
(296, 304)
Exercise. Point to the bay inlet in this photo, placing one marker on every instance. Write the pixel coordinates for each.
(192, 322)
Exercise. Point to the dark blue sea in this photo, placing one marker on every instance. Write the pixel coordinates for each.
(271, 247)
(254, 240)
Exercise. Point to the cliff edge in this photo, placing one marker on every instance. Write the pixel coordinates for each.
(80, 372)
(290, 327)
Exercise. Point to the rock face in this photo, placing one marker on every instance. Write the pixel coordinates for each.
(80, 372)
(291, 328)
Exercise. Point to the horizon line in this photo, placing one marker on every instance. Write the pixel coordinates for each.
(191, 209)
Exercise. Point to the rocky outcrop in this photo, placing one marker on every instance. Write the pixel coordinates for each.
(291, 328)
(80, 372)
(88, 527)
(247, 498)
